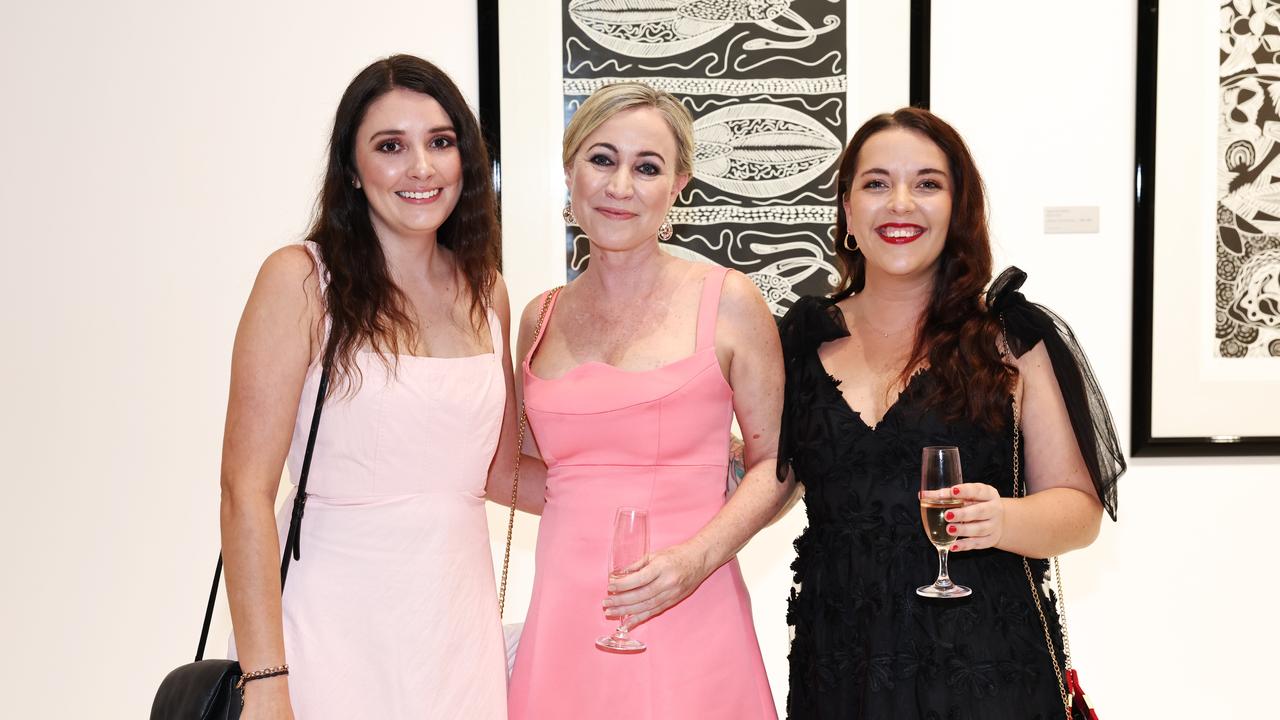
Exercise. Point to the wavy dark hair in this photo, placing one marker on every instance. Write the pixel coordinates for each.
(957, 338)
(363, 303)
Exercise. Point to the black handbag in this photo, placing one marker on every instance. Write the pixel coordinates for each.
(206, 689)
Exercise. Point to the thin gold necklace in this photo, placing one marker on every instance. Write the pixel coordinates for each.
(867, 321)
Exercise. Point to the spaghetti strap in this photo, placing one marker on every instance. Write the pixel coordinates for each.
(322, 277)
(546, 320)
(709, 307)
(322, 272)
(495, 332)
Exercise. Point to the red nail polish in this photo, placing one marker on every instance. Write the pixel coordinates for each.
(951, 529)
(951, 515)
(955, 547)
(955, 491)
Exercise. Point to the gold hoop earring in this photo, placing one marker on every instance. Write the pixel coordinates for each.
(665, 230)
(851, 247)
(567, 214)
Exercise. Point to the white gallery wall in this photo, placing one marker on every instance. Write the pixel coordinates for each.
(154, 153)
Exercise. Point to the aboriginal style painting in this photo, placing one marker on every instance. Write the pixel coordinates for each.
(765, 82)
(1247, 287)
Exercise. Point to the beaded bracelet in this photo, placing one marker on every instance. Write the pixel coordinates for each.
(260, 675)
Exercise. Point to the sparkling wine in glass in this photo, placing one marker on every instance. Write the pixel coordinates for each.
(627, 554)
(940, 470)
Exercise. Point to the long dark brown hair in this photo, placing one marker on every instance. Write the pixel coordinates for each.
(364, 305)
(957, 338)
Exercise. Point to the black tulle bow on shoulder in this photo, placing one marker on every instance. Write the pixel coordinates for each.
(1004, 288)
(1027, 324)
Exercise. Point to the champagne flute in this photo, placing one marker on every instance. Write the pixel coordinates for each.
(627, 554)
(940, 470)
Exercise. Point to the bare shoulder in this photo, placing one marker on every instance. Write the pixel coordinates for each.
(1034, 362)
(529, 318)
(741, 302)
(289, 270)
(530, 314)
(284, 309)
(500, 300)
(1035, 372)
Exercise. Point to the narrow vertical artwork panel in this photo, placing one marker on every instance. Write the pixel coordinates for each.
(1247, 287)
(765, 81)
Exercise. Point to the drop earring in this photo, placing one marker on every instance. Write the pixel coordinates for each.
(665, 230)
(848, 245)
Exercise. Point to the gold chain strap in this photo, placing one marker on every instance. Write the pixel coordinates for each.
(1018, 491)
(515, 477)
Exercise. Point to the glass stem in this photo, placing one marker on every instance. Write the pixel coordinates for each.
(944, 577)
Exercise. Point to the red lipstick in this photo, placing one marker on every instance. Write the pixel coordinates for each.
(899, 233)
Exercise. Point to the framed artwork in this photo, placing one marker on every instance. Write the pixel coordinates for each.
(1206, 361)
(771, 92)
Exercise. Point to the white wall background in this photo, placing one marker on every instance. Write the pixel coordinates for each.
(155, 153)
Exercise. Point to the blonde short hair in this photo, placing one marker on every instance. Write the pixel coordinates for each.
(610, 100)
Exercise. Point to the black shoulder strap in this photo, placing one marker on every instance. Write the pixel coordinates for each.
(291, 547)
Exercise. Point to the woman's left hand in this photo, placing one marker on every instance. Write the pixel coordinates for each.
(980, 523)
(670, 576)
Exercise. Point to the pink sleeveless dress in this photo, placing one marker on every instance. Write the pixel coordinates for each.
(391, 612)
(656, 439)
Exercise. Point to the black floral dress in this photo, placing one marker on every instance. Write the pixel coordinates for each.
(865, 645)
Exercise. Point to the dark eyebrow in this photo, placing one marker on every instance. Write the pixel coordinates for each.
(614, 150)
(396, 133)
(922, 171)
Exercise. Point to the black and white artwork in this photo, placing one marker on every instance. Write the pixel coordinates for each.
(1247, 287)
(765, 81)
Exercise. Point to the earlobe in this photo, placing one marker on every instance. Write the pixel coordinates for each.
(681, 182)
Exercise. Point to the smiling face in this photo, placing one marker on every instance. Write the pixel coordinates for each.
(407, 163)
(899, 203)
(622, 179)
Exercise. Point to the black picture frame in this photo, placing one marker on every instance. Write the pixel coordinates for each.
(1142, 442)
(488, 63)
(921, 52)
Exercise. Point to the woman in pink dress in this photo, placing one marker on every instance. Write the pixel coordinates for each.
(390, 610)
(630, 389)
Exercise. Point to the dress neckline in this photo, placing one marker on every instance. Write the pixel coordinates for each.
(704, 333)
(834, 383)
(591, 364)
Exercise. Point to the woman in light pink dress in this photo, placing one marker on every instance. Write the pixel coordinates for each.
(390, 612)
(630, 389)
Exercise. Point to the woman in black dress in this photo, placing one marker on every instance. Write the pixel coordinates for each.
(908, 353)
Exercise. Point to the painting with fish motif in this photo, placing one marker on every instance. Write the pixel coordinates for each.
(1207, 229)
(766, 83)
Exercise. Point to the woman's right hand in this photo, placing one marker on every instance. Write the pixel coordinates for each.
(266, 699)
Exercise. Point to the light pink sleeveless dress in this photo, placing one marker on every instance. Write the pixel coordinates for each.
(656, 439)
(391, 612)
